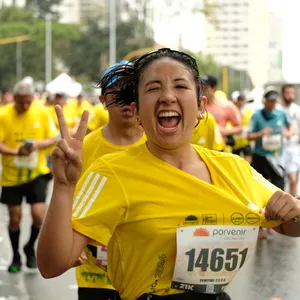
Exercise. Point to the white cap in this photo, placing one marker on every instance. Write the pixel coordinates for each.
(23, 88)
(235, 95)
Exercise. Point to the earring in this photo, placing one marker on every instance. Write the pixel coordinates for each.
(200, 117)
(104, 106)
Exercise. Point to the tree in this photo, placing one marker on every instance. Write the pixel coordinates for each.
(18, 21)
(43, 7)
(206, 64)
(133, 32)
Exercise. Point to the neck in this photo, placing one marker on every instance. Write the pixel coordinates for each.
(179, 157)
(211, 100)
(122, 135)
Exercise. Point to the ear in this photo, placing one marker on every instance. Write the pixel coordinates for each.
(102, 99)
(202, 106)
(133, 107)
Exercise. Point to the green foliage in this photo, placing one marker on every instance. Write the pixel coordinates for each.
(90, 53)
(33, 50)
(43, 7)
(206, 64)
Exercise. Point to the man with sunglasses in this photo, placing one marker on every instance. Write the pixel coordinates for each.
(121, 132)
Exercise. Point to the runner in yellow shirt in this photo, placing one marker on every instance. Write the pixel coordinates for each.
(242, 146)
(69, 112)
(25, 132)
(207, 134)
(99, 118)
(79, 105)
(178, 220)
(121, 132)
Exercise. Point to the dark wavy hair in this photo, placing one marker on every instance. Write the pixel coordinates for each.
(129, 75)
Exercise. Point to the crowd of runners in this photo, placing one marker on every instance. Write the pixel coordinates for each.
(160, 188)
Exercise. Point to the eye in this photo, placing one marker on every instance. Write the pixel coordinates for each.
(181, 86)
(153, 89)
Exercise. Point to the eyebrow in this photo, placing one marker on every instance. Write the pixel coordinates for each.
(158, 81)
(180, 79)
(151, 82)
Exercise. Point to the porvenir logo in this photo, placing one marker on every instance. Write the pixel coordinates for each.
(201, 232)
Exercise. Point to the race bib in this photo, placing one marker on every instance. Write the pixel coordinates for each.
(208, 257)
(271, 142)
(102, 256)
(27, 162)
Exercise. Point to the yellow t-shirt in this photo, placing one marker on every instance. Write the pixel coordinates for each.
(69, 115)
(241, 142)
(133, 202)
(90, 275)
(34, 124)
(207, 134)
(79, 109)
(99, 117)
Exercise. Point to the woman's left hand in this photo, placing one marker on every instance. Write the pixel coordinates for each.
(282, 207)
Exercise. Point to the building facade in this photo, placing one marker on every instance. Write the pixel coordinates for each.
(243, 34)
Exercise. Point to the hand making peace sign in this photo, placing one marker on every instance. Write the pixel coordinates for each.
(67, 156)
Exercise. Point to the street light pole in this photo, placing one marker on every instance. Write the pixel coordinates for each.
(18, 61)
(48, 49)
(112, 32)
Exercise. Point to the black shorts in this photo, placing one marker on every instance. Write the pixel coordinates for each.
(95, 294)
(34, 192)
(245, 151)
(262, 166)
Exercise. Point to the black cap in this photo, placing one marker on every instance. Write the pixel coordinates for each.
(209, 80)
(271, 95)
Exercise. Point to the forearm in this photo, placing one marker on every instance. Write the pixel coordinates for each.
(231, 131)
(55, 247)
(254, 136)
(44, 144)
(289, 228)
(4, 150)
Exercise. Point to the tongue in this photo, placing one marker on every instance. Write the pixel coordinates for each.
(168, 122)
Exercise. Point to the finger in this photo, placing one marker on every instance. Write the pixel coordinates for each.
(277, 196)
(70, 153)
(81, 130)
(273, 213)
(63, 127)
(57, 153)
(284, 213)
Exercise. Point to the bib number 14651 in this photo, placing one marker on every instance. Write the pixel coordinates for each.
(209, 256)
(216, 259)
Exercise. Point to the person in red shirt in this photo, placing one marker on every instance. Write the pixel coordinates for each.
(223, 112)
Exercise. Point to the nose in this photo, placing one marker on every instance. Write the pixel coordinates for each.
(167, 96)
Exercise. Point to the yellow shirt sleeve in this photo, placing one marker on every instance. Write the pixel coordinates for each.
(262, 190)
(99, 204)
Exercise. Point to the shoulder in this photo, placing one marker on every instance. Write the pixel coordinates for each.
(117, 164)
(280, 112)
(94, 135)
(223, 158)
(256, 114)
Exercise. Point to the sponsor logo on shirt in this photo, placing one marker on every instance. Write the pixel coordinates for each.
(209, 219)
(237, 218)
(191, 220)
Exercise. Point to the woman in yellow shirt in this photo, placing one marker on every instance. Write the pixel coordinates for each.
(178, 220)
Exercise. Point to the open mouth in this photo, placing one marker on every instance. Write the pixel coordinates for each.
(169, 119)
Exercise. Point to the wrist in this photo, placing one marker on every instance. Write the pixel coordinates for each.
(63, 187)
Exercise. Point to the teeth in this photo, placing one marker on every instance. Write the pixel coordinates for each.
(167, 114)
